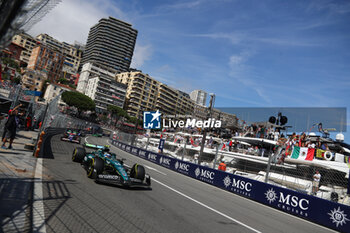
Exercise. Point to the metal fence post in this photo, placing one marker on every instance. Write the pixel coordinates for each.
(147, 142)
(268, 168)
(216, 156)
(183, 151)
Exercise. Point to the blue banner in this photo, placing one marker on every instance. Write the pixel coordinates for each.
(320, 211)
(34, 93)
(161, 145)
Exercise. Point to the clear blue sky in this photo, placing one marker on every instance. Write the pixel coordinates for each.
(249, 53)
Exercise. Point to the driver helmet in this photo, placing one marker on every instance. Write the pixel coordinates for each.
(106, 148)
(108, 155)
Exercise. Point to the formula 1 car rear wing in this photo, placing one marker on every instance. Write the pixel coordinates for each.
(93, 146)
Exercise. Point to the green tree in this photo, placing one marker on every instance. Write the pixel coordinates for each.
(9, 62)
(72, 86)
(78, 100)
(64, 81)
(17, 80)
(116, 112)
(134, 120)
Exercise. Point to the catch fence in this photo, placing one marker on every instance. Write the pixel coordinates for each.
(269, 168)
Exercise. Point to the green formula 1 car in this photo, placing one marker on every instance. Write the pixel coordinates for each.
(105, 167)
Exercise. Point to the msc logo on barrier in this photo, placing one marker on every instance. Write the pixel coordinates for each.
(134, 151)
(338, 217)
(142, 153)
(164, 161)
(205, 175)
(152, 157)
(183, 168)
(238, 186)
(151, 120)
(288, 202)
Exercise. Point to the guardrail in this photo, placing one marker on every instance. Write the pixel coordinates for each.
(320, 211)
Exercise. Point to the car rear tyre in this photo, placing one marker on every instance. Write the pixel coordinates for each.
(78, 154)
(95, 168)
(137, 172)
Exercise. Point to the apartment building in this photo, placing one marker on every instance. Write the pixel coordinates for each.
(105, 91)
(98, 82)
(110, 43)
(73, 53)
(228, 120)
(199, 97)
(54, 90)
(92, 70)
(12, 51)
(147, 94)
(34, 79)
(200, 112)
(47, 60)
(141, 92)
(174, 102)
(27, 42)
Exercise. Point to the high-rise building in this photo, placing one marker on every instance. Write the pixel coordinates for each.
(147, 94)
(72, 53)
(47, 60)
(110, 43)
(199, 97)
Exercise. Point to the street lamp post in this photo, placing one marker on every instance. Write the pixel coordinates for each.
(136, 125)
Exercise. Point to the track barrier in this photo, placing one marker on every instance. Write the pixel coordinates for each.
(314, 209)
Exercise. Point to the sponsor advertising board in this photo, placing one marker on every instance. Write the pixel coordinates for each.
(320, 211)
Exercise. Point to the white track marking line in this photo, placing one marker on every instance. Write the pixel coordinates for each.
(38, 199)
(151, 168)
(208, 207)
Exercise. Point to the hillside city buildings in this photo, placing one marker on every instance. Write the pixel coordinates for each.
(101, 70)
(72, 53)
(147, 94)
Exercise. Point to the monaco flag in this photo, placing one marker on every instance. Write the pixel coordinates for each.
(303, 153)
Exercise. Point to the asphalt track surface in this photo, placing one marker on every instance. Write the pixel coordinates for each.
(176, 203)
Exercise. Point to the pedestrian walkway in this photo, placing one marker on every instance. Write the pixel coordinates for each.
(17, 168)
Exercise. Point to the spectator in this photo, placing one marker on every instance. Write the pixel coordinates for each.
(28, 123)
(10, 127)
(271, 133)
(277, 134)
(316, 182)
(230, 145)
(302, 140)
(222, 166)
